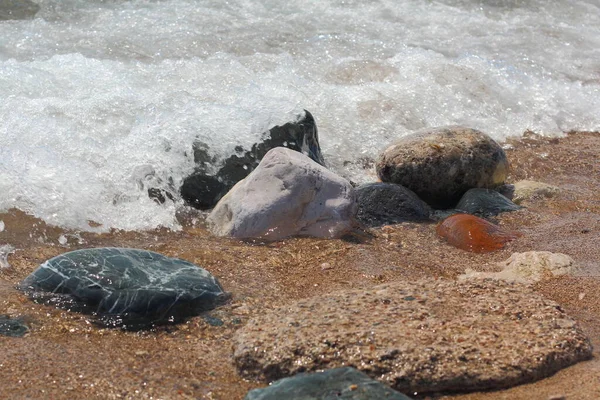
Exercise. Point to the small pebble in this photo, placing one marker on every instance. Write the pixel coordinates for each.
(557, 397)
(581, 296)
(326, 266)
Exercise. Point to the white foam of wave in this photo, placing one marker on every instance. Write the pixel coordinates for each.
(101, 100)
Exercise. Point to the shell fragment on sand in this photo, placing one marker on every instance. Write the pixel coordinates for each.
(528, 267)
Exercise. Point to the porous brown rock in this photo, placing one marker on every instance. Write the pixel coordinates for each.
(424, 336)
(441, 164)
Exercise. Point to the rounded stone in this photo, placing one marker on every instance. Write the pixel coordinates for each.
(485, 202)
(128, 288)
(441, 164)
(387, 203)
(424, 336)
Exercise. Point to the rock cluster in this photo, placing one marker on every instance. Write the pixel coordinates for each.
(424, 336)
(441, 164)
(203, 189)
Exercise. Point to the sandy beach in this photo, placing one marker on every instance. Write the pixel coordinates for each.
(65, 356)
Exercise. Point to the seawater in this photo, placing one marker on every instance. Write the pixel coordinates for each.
(100, 100)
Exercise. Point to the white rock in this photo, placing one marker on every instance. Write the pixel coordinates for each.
(528, 267)
(287, 194)
(527, 190)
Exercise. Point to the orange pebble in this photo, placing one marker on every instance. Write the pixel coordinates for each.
(471, 233)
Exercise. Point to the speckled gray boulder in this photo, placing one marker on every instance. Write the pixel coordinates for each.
(335, 384)
(441, 164)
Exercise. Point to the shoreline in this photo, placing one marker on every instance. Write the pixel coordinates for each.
(193, 360)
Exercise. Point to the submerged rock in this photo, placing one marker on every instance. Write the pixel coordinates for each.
(288, 194)
(344, 383)
(423, 336)
(13, 327)
(472, 233)
(528, 267)
(441, 164)
(528, 190)
(485, 202)
(18, 9)
(387, 203)
(203, 189)
(128, 288)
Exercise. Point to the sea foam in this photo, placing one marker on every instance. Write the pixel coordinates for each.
(102, 100)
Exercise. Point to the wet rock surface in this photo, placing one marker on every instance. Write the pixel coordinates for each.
(426, 336)
(17, 9)
(485, 203)
(471, 233)
(441, 164)
(204, 189)
(13, 327)
(336, 384)
(386, 203)
(288, 194)
(529, 267)
(128, 288)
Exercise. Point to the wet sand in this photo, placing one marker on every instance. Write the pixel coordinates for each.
(65, 356)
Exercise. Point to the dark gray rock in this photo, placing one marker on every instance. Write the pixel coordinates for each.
(204, 189)
(128, 288)
(335, 384)
(485, 202)
(14, 327)
(17, 9)
(441, 164)
(387, 203)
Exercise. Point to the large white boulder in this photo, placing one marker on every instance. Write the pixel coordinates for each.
(288, 194)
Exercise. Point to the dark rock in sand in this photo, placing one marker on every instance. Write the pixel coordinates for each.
(17, 9)
(13, 327)
(335, 384)
(128, 288)
(485, 202)
(203, 189)
(387, 203)
(441, 164)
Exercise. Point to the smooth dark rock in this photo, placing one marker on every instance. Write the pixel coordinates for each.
(17, 9)
(485, 202)
(335, 384)
(13, 327)
(387, 203)
(128, 288)
(204, 189)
